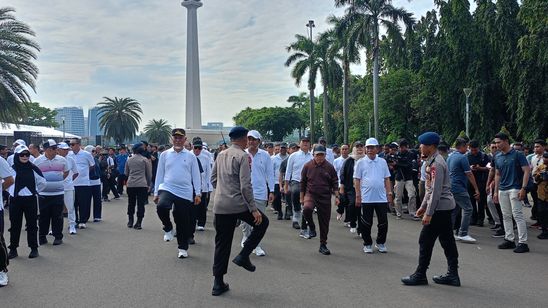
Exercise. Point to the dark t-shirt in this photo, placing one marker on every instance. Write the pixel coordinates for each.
(481, 160)
(283, 165)
(509, 165)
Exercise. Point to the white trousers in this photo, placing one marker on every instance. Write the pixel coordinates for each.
(69, 203)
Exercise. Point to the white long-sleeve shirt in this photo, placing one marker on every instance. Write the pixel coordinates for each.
(329, 155)
(179, 174)
(276, 163)
(295, 165)
(262, 175)
(205, 160)
(338, 164)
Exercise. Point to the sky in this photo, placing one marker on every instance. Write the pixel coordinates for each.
(137, 48)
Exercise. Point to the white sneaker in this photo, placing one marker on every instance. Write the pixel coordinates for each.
(347, 224)
(200, 228)
(367, 249)
(353, 230)
(243, 241)
(182, 254)
(168, 236)
(3, 279)
(467, 239)
(381, 248)
(83, 226)
(72, 230)
(260, 252)
(50, 233)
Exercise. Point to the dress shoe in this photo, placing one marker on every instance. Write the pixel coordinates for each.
(521, 248)
(416, 279)
(137, 225)
(543, 236)
(57, 241)
(323, 250)
(191, 241)
(130, 222)
(13, 254)
(244, 262)
(507, 245)
(450, 279)
(33, 253)
(296, 225)
(42, 240)
(219, 289)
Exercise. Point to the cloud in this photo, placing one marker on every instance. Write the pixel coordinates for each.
(136, 48)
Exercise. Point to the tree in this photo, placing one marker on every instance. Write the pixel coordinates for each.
(38, 116)
(17, 70)
(365, 19)
(274, 123)
(158, 131)
(119, 118)
(305, 60)
(297, 101)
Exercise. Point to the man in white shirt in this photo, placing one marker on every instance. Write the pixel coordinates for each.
(276, 163)
(295, 165)
(52, 199)
(82, 189)
(177, 178)
(339, 161)
(262, 181)
(200, 211)
(373, 192)
(63, 150)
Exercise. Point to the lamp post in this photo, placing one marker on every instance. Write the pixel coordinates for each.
(467, 92)
(63, 119)
(311, 25)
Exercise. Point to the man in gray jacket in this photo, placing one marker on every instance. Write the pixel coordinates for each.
(231, 178)
(435, 210)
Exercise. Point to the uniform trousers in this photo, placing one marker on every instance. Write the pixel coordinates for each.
(27, 206)
(381, 210)
(440, 226)
(82, 203)
(51, 211)
(323, 204)
(97, 201)
(136, 196)
(181, 215)
(224, 228)
(69, 204)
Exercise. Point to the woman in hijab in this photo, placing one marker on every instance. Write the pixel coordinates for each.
(346, 187)
(29, 181)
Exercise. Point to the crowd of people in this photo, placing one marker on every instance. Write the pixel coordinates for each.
(447, 188)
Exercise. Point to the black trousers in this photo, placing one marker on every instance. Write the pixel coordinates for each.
(224, 228)
(277, 203)
(121, 181)
(535, 209)
(478, 207)
(181, 215)
(4, 262)
(27, 206)
(381, 209)
(323, 205)
(136, 196)
(82, 203)
(51, 211)
(542, 207)
(97, 202)
(109, 184)
(440, 226)
(199, 212)
(353, 213)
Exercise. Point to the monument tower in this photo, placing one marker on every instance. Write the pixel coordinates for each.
(193, 102)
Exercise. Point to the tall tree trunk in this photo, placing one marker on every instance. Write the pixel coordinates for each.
(376, 80)
(326, 130)
(346, 87)
(312, 110)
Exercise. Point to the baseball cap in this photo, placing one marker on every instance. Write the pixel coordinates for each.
(178, 132)
(63, 146)
(21, 148)
(197, 142)
(19, 142)
(50, 143)
(305, 138)
(254, 134)
(371, 142)
(283, 145)
(319, 149)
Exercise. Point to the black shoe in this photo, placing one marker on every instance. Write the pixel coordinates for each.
(137, 225)
(480, 223)
(323, 250)
(42, 240)
(33, 253)
(219, 289)
(296, 225)
(491, 221)
(312, 234)
(13, 254)
(244, 262)
(280, 218)
(495, 227)
(130, 221)
(521, 248)
(287, 217)
(57, 241)
(543, 236)
(507, 245)
(191, 241)
(499, 233)
(448, 279)
(415, 279)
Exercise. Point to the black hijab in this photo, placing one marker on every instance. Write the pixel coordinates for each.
(24, 175)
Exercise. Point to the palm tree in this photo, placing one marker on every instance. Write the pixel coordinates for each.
(297, 101)
(349, 50)
(305, 60)
(17, 52)
(158, 131)
(364, 19)
(120, 117)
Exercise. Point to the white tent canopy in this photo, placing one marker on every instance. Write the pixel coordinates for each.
(8, 129)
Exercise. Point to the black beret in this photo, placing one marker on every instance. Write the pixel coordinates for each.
(238, 132)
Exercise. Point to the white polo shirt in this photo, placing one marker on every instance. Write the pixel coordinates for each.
(179, 174)
(262, 175)
(276, 163)
(84, 161)
(73, 169)
(295, 165)
(372, 174)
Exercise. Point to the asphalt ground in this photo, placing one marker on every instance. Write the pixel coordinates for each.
(110, 265)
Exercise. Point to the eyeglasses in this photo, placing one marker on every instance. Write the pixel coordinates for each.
(24, 154)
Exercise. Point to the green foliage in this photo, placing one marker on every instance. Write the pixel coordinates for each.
(120, 118)
(274, 123)
(17, 70)
(158, 131)
(38, 116)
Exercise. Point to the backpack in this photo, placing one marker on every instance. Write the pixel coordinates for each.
(95, 173)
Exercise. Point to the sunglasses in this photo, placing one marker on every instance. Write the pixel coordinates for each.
(197, 148)
(25, 154)
(73, 144)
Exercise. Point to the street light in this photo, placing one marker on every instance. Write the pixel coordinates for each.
(63, 119)
(311, 25)
(467, 92)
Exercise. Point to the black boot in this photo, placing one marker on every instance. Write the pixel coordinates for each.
(130, 221)
(219, 286)
(451, 278)
(137, 225)
(415, 279)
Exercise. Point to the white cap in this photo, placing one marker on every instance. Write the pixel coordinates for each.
(21, 148)
(255, 134)
(49, 143)
(19, 142)
(63, 146)
(89, 148)
(371, 142)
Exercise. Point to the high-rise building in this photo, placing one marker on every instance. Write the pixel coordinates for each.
(74, 120)
(94, 129)
(86, 127)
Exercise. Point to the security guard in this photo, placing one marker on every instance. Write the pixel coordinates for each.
(436, 211)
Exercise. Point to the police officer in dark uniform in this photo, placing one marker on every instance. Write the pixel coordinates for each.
(436, 211)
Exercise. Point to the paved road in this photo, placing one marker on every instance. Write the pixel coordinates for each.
(109, 265)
